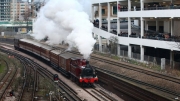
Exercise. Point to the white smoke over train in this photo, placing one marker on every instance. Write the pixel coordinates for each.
(68, 21)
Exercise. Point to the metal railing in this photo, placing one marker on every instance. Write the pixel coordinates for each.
(123, 10)
(149, 8)
(134, 36)
(162, 8)
(173, 39)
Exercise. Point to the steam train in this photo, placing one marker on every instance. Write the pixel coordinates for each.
(71, 65)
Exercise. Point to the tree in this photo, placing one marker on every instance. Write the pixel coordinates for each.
(26, 16)
(113, 42)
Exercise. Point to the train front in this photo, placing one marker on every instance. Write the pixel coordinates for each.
(88, 74)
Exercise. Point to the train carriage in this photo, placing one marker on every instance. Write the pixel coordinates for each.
(54, 58)
(26, 44)
(30, 45)
(45, 52)
(64, 62)
(36, 48)
(22, 44)
(68, 64)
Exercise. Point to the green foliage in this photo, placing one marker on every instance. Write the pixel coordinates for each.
(115, 57)
(2, 68)
(113, 45)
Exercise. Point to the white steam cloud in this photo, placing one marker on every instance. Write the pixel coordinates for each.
(68, 21)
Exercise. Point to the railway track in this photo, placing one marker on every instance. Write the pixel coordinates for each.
(24, 82)
(98, 95)
(147, 72)
(34, 80)
(172, 95)
(64, 89)
(104, 93)
(115, 86)
(6, 69)
(30, 78)
(66, 92)
(144, 90)
(7, 79)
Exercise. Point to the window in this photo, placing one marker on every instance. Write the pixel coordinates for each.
(103, 11)
(114, 12)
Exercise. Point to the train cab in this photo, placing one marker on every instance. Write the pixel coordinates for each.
(56, 78)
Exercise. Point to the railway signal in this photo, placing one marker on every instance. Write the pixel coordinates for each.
(11, 56)
(56, 78)
(11, 93)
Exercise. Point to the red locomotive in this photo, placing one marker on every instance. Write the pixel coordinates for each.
(70, 65)
(82, 71)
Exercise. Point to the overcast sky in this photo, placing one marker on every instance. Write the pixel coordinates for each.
(34, 0)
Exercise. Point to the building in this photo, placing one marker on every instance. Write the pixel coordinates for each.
(19, 10)
(5, 10)
(12, 9)
(143, 27)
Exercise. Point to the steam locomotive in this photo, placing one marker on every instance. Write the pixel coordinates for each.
(71, 65)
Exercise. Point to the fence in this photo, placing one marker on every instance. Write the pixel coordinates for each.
(136, 57)
(106, 49)
(19, 36)
(15, 35)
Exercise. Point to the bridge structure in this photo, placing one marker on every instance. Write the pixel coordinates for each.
(15, 23)
(17, 26)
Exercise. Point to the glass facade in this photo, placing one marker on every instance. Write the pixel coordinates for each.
(114, 10)
(5, 10)
(103, 11)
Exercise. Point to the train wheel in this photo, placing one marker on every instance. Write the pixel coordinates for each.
(83, 85)
(80, 84)
(77, 82)
(91, 85)
(74, 79)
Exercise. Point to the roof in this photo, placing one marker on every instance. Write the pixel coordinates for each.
(57, 52)
(69, 55)
(46, 47)
(31, 42)
(37, 43)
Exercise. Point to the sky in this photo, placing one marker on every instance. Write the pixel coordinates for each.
(35, 0)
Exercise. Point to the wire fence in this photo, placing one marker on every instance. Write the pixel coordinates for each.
(136, 57)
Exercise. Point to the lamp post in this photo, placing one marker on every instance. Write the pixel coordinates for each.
(27, 17)
(50, 94)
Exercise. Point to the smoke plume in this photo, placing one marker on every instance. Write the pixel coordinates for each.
(68, 21)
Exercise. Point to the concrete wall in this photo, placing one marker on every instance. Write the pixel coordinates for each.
(138, 41)
(167, 26)
(177, 28)
(151, 13)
